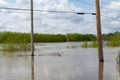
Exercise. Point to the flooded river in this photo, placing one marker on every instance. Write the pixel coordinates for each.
(60, 61)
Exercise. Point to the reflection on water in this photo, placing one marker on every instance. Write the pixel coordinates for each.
(74, 64)
(118, 63)
(32, 68)
(100, 70)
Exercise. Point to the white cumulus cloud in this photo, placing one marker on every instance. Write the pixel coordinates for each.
(53, 22)
(111, 18)
(3, 2)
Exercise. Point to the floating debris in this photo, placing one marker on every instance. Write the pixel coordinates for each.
(51, 54)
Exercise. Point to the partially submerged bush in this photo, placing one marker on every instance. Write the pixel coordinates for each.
(92, 44)
(15, 47)
(73, 46)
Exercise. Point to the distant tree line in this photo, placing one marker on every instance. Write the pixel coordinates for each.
(109, 36)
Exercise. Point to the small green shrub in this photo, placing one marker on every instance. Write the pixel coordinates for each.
(92, 44)
(73, 46)
(85, 44)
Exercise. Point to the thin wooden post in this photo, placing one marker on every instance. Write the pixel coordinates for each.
(32, 30)
(99, 35)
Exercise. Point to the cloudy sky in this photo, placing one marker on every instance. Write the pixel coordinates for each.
(54, 23)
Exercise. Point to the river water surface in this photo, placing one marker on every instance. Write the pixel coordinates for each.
(60, 61)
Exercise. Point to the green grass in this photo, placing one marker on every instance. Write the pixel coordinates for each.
(14, 41)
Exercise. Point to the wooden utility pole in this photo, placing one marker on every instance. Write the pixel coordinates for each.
(32, 30)
(99, 35)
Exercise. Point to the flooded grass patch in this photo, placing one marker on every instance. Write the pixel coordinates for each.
(72, 46)
(15, 41)
(92, 44)
(15, 47)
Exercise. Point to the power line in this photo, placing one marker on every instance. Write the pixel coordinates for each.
(94, 5)
(46, 15)
(51, 11)
(85, 2)
(52, 17)
(18, 9)
(62, 20)
(1, 12)
(110, 18)
(61, 17)
(59, 20)
(109, 3)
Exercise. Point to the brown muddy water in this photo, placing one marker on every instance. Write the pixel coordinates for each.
(55, 61)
